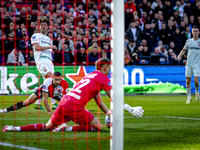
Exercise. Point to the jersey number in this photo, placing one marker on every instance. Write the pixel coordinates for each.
(84, 83)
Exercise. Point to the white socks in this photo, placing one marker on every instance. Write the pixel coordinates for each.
(196, 89)
(53, 101)
(38, 102)
(188, 88)
(127, 107)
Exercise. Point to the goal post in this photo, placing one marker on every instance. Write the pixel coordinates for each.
(117, 92)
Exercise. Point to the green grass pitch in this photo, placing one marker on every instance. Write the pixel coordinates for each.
(167, 123)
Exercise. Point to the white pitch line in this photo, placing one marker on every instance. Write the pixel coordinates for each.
(182, 118)
(19, 146)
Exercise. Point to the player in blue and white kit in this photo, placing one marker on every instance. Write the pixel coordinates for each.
(42, 47)
(193, 62)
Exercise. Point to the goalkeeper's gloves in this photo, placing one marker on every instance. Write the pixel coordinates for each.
(136, 111)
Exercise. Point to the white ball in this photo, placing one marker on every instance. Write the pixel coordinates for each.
(107, 120)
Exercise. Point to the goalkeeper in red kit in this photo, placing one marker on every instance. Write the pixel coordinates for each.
(71, 107)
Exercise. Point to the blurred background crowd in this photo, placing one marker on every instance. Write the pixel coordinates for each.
(155, 31)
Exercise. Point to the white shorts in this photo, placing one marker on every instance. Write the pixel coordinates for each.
(45, 65)
(190, 71)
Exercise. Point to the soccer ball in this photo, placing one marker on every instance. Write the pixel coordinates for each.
(107, 120)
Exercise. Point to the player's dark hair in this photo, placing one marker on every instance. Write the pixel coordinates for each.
(101, 62)
(44, 19)
(57, 74)
(195, 27)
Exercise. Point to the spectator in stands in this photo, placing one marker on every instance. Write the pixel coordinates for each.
(182, 27)
(144, 42)
(78, 13)
(13, 9)
(131, 47)
(163, 52)
(128, 18)
(170, 31)
(172, 46)
(25, 43)
(192, 21)
(67, 53)
(163, 34)
(179, 40)
(2, 58)
(96, 11)
(94, 55)
(106, 49)
(94, 44)
(133, 34)
(188, 33)
(175, 61)
(127, 58)
(168, 9)
(31, 59)
(7, 19)
(159, 7)
(144, 54)
(177, 17)
(10, 44)
(155, 56)
(143, 19)
(81, 56)
(70, 43)
(130, 5)
(179, 8)
(16, 57)
(150, 36)
(188, 9)
(92, 16)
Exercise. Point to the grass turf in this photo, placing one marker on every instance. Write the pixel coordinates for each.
(167, 123)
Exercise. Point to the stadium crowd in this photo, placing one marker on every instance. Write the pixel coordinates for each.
(155, 31)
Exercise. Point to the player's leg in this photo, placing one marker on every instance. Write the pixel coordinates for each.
(32, 98)
(54, 105)
(33, 127)
(188, 73)
(86, 121)
(38, 127)
(196, 81)
(46, 68)
(188, 88)
(38, 102)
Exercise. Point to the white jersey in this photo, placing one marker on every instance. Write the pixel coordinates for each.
(42, 40)
(193, 55)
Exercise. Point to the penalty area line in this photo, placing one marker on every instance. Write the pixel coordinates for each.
(19, 146)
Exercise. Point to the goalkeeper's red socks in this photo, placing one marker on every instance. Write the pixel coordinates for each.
(33, 127)
(84, 128)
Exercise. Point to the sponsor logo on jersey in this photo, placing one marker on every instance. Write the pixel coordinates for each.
(197, 48)
(45, 42)
(43, 86)
(34, 37)
(199, 44)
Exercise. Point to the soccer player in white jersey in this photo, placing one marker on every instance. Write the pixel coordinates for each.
(42, 47)
(193, 62)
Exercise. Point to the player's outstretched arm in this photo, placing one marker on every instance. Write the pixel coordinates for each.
(46, 104)
(181, 54)
(101, 105)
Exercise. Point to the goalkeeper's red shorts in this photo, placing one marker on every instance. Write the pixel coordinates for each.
(71, 111)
